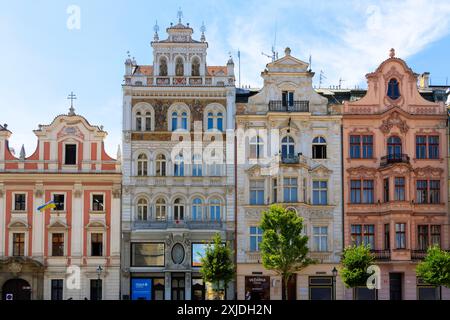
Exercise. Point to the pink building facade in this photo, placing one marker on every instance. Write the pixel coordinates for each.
(395, 179)
(73, 250)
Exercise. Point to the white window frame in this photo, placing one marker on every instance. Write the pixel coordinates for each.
(89, 248)
(77, 147)
(11, 242)
(65, 201)
(13, 206)
(50, 243)
(320, 236)
(92, 202)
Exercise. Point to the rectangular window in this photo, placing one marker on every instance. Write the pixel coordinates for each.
(255, 238)
(368, 191)
(363, 234)
(387, 239)
(320, 238)
(422, 237)
(96, 289)
(290, 189)
(435, 191)
(361, 191)
(321, 288)
(57, 244)
(355, 191)
(70, 157)
(57, 289)
(59, 202)
(421, 147)
(428, 191)
(386, 190)
(148, 123)
(435, 235)
(361, 147)
(288, 98)
(320, 192)
(399, 189)
(433, 147)
(147, 254)
(275, 191)
(18, 244)
(256, 192)
(400, 235)
(422, 191)
(98, 202)
(97, 244)
(20, 201)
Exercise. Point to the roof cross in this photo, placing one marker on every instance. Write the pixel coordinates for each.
(71, 97)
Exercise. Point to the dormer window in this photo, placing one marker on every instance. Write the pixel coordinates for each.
(70, 157)
(163, 67)
(288, 98)
(393, 89)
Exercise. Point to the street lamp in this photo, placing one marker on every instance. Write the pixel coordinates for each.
(99, 273)
(334, 272)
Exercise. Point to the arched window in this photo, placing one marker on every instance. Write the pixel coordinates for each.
(142, 165)
(393, 91)
(138, 121)
(394, 146)
(287, 147)
(142, 210)
(197, 165)
(179, 67)
(161, 165)
(179, 120)
(178, 169)
(148, 121)
(319, 148)
(161, 209)
(195, 72)
(220, 121)
(197, 209)
(214, 209)
(163, 67)
(210, 121)
(178, 209)
(256, 148)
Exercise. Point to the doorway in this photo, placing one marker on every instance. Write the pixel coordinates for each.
(16, 289)
(178, 287)
(395, 286)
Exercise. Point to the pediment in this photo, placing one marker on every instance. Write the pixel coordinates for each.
(321, 171)
(58, 224)
(18, 224)
(288, 62)
(96, 225)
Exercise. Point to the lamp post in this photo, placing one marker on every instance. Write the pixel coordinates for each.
(99, 273)
(334, 272)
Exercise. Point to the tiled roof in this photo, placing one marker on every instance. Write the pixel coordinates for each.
(213, 70)
(145, 70)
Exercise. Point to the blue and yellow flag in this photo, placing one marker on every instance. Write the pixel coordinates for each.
(48, 205)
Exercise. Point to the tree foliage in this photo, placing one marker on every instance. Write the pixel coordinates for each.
(284, 248)
(435, 268)
(217, 264)
(355, 261)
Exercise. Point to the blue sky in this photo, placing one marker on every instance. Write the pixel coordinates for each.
(42, 60)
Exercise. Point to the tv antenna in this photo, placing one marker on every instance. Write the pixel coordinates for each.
(340, 82)
(274, 55)
(321, 77)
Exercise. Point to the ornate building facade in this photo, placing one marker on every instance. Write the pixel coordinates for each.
(72, 250)
(178, 182)
(288, 152)
(396, 179)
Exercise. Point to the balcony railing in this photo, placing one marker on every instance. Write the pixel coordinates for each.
(295, 106)
(182, 224)
(418, 254)
(290, 159)
(382, 255)
(394, 158)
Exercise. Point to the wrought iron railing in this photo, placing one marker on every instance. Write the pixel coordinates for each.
(294, 106)
(394, 158)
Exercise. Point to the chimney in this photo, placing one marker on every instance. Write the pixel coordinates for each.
(424, 80)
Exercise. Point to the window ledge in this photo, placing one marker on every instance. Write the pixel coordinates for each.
(18, 211)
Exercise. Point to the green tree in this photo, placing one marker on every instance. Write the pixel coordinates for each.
(355, 261)
(284, 248)
(217, 265)
(435, 268)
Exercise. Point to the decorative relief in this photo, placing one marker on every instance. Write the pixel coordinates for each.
(321, 172)
(38, 193)
(127, 136)
(15, 267)
(116, 192)
(78, 192)
(394, 120)
(428, 171)
(362, 171)
(70, 131)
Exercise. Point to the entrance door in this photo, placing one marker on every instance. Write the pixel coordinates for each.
(198, 289)
(292, 288)
(395, 286)
(178, 286)
(16, 289)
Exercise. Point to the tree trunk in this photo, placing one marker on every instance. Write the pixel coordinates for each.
(286, 291)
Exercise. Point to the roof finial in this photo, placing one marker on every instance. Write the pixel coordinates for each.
(119, 154)
(392, 53)
(179, 14)
(203, 29)
(71, 97)
(22, 153)
(156, 29)
(287, 51)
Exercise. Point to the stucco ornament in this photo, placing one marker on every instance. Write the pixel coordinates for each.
(394, 120)
(15, 267)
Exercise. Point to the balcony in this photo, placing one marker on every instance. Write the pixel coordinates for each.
(292, 159)
(394, 158)
(418, 254)
(297, 106)
(382, 255)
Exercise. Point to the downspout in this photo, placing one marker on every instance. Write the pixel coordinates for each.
(235, 210)
(342, 183)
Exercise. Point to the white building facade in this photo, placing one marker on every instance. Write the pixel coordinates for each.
(178, 190)
(289, 153)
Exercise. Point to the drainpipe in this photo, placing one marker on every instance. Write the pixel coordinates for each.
(235, 211)
(342, 184)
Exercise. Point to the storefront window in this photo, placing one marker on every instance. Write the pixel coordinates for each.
(257, 288)
(147, 254)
